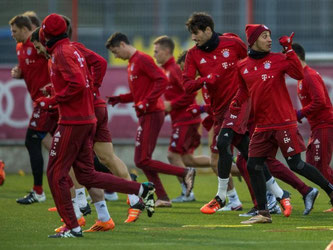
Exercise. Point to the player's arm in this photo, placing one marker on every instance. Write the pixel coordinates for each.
(241, 96)
(96, 63)
(157, 76)
(317, 94)
(185, 99)
(123, 98)
(70, 68)
(191, 84)
(292, 64)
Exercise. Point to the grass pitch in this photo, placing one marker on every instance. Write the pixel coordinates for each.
(179, 227)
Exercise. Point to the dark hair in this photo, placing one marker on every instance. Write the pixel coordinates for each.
(35, 35)
(199, 21)
(33, 17)
(181, 58)
(21, 21)
(165, 42)
(69, 26)
(115, 39)
(299, 50)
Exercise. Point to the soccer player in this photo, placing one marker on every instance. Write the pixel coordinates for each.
(262, 78)
(234, 203)
(73, 140)
(185, 137)
(147, 83)
(33, 69)
(215, 58)
(317, 108)
(97, 67)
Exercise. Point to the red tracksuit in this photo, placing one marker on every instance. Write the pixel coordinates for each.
(148, 82)
(275, 119)
(73, 140)
(35, 74)
(221, 61)
(185, 136)
(317, 108)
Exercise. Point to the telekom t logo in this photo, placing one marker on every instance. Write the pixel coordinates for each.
(264, 77)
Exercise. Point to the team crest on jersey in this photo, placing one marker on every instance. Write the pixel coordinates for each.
(225, 53)
(132, 66)
(202, 61)
(267, 64)
(29, 50)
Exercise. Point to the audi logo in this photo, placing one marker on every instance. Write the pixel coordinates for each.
(10, 105)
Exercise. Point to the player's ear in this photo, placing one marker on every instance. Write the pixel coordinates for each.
(122, 44)
(208, 29)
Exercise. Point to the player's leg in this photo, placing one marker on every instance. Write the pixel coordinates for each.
(281, 195)
(255, 166)
(65, 147)
(283, 173)
(291, 144)
(87, 176)
(104, 221)
(33, 142)
(146, 139)
(79, 195)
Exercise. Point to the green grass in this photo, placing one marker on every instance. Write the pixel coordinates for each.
(27, 227)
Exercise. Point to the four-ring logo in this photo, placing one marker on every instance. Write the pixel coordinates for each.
(11, 94)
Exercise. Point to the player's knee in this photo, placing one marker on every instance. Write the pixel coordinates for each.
(253, 166)
(105, 159)
(173, 158)
(224, 142)
(295, 163)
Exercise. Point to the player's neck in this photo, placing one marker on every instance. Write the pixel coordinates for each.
(27, 37)
(303, 63)
(131, 51)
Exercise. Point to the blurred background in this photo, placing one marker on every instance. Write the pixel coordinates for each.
(143, 20)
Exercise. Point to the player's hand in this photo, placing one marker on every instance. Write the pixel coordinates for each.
(234, 108)
(209, 79)
(47, 89)
(141, 106)
(167, 106)
(299, 115)
(113, 100)
(46, 102)
(195, 109)
(16, 72)
(286, 42)
(208, 122)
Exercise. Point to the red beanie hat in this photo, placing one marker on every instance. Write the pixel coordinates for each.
(54, 25)
(253, 31)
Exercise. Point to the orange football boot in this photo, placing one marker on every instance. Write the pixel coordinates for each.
(101, 226)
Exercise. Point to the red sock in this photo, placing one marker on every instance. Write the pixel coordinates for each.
(38, 189)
